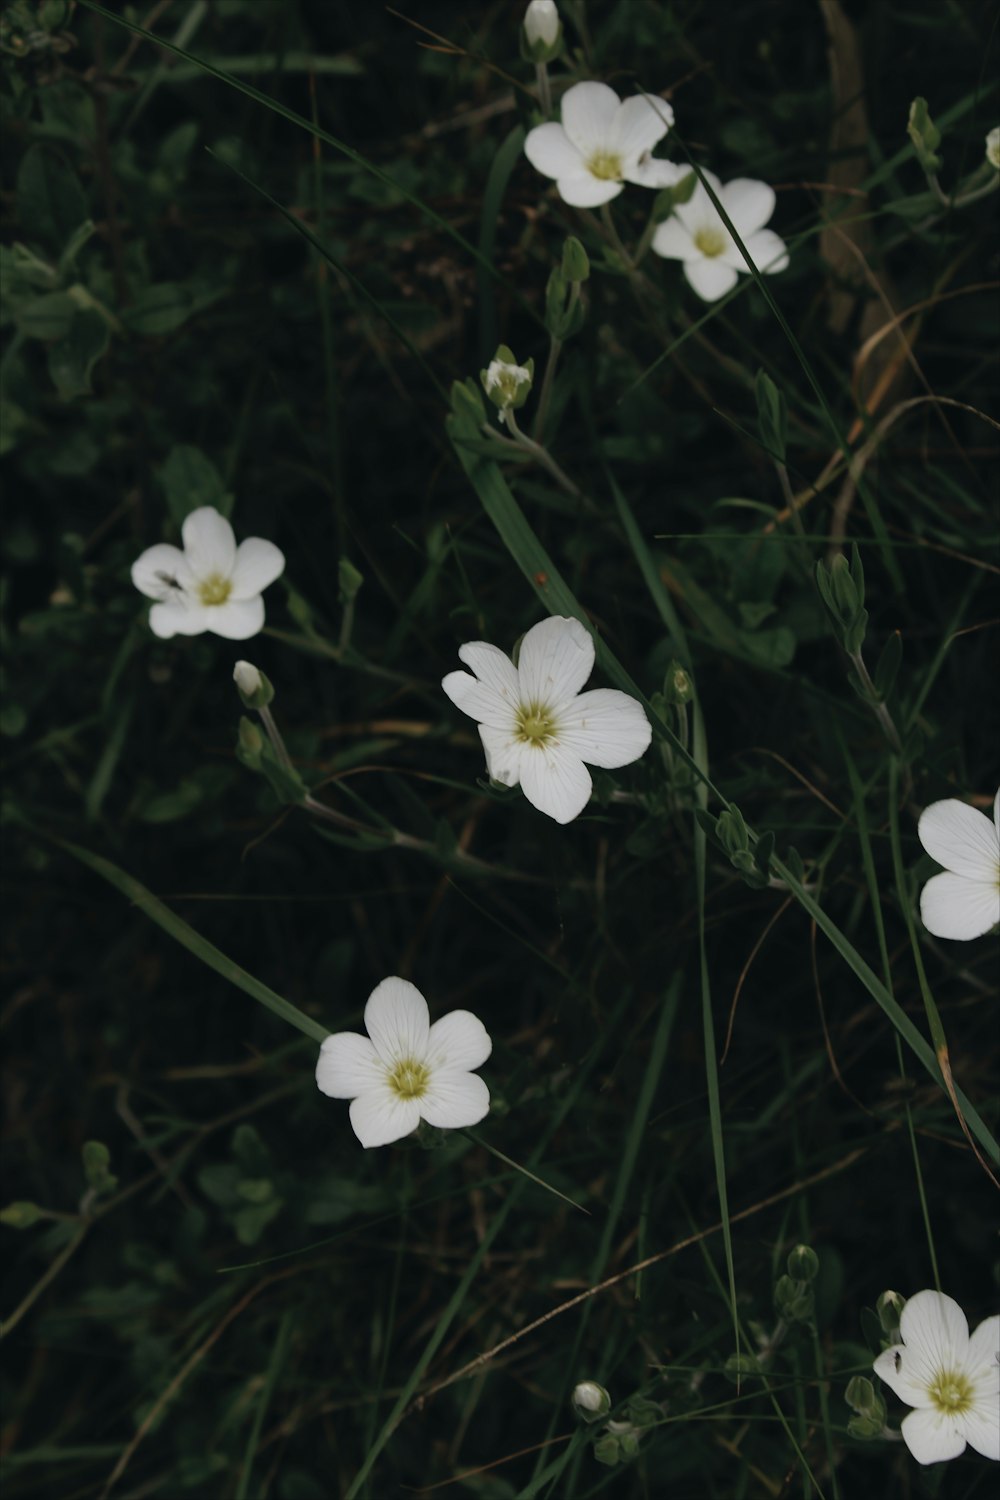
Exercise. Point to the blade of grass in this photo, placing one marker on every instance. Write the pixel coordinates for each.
(202, 949)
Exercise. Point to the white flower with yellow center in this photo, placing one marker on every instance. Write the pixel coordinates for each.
(952, 1380)
(406, 1070)
(964, 901)
(212, 584)
(536, 726)
(602, 143)
(696, 235)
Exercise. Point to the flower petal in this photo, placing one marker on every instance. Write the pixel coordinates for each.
(504, 752)
(381, 1116)
(237, 619)
(258, 563)
(981, 1429)
(458, 1040)
(156, 570)
(711, 279)
(892, 1368)
(673, 240)
(556, 658)
(348, 1066)
(982, 1362)
(397, 1020)
(935, 1331)
(453, 1099)
(492, 667)
(640, 122)
(953, 906)
(166, 620)
(551, 152)
(748, 203)
(605, 728)
(588, 116)
(961, 838)
(585, 191)
(209, 542)
(479, 700)
(699, 212)
(933, 1435)
(652, 172)
(766, 249)
(555, 781)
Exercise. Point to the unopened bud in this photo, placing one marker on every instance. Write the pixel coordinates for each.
(575, 260)
(740, 1367)
(591, 1400)
(249, 745)
(349, 581)
(253, 687)
(993, 148)
(860, 1395)
(890, 1309)
(542, 30)
(793, 1300)
(925, 135)
(803, 1263)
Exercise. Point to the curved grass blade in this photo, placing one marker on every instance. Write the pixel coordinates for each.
(202, 949)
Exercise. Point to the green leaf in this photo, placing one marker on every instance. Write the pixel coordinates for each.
(72, 359)
(51, 203)
(20, 1215)
(772, 415)
(163, 307)
(190, 479)
(46, 317)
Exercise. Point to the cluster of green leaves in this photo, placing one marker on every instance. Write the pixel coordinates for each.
(244, 270)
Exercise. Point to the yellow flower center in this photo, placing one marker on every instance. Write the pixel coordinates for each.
(214, 589)
(711, 242)
(535, 724)
(606, 165)
(409, 1078)
(951, 1392)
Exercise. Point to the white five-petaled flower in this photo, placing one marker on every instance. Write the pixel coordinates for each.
(964, 902)
(406, 1070)
(212, 584)
(536, 725)
(993, 147)
(952, 1380)
(602, 143)
(696, 235)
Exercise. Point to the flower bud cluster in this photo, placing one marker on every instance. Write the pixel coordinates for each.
(868, 1406)
(842, 588)
(793, 1292)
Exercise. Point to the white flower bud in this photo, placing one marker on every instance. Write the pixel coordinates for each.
(992, 147)
(541, 23)
(246, 677)
(591, 1400)
(253, 687)
(503, 382)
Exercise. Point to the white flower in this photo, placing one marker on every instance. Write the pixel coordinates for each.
(602, 143)
(696, 235)
(993, 147)
(536, 726)
(409, 1070)
(211, 585)
(952, 1380)
(964, 902)
(541, 23)
(502, 382)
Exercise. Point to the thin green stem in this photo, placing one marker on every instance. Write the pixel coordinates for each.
(544, 88)
(876, 705)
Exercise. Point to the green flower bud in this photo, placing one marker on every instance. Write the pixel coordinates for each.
(96, 1167)
(925, 136)
(254, 688)
(590, 1400)
(793, 1300)
(889, 1308)
(606, 1449)
(803, 1263)
(20, 1215)
(864, 1428)
(575, 260)
(249, 745)
(740, 1367)
(732, 832)
(862, 1397)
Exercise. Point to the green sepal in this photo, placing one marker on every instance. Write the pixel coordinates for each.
(803, 1262)
(606, 1449)
(575, 260)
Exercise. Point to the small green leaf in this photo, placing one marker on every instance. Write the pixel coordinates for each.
(51, 203)
(20, 1215)
(72, 359)
(189, 480)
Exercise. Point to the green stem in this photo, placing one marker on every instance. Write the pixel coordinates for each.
(544, 89)
(877, 707)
